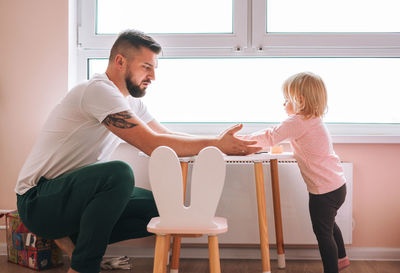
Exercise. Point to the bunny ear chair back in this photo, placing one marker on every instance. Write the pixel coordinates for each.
(175, 218)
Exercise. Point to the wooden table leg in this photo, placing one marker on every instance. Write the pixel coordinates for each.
(277, 212)
(262, 217)
(176, 245)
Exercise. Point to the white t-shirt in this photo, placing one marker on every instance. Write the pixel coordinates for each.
(73, 135)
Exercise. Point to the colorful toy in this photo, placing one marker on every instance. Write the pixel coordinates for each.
(27, 249)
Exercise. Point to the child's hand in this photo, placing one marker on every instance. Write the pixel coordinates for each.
(260, 137)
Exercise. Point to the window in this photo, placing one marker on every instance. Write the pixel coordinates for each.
(231, 57)
(332, 16)
(173, 23)
(189, 16)
(314, 28)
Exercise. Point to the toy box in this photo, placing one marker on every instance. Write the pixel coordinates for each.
(27, 249)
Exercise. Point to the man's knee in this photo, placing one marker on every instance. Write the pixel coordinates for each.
(122, 175)
(152, 210)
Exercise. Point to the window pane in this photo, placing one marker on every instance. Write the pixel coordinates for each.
(161, 16)
(360, 90)
(333, 16)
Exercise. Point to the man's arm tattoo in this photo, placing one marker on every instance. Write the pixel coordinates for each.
(119, 120)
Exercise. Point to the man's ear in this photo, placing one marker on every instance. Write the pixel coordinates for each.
(119, 61)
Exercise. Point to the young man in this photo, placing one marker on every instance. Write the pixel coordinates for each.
(69, 191)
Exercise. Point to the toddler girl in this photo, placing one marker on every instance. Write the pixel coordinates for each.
(305, 103)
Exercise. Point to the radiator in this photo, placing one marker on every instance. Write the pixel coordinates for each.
(238, 204)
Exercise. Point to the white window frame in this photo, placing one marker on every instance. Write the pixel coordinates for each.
(250, 39)
(320, 44)
(237, 39)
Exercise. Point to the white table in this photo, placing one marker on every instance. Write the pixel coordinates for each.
(258, 160)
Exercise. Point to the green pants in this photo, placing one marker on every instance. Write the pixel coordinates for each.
(95, 205)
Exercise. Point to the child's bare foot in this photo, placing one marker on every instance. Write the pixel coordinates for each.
(343, 263)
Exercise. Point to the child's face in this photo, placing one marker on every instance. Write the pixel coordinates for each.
(288, 107)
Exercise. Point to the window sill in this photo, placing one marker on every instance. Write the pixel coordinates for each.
(341, 133)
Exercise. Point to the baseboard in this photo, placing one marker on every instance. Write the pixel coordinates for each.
(354, 253)
(374, 253)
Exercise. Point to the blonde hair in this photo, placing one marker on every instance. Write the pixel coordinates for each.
(307, 93)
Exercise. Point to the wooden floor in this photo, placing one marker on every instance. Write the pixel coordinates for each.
(145, 265)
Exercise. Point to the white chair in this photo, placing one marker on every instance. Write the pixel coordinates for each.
(207, 182)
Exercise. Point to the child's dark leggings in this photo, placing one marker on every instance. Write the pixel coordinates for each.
(323, 209)
(94, 205)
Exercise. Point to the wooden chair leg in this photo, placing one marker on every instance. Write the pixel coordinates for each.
(213, 250)
(176, 252)
(160, 260)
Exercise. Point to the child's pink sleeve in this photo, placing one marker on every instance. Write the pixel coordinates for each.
(288, 129)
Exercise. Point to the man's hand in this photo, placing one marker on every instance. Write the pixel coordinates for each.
(229, 144)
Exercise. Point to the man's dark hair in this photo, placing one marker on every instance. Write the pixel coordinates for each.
(136, 39)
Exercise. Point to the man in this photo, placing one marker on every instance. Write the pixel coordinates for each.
(69, 191)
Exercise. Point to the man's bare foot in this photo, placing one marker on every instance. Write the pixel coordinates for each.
(66, 245)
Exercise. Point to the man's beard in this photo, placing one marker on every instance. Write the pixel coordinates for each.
(134, 89)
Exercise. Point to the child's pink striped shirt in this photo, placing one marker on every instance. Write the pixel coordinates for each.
(312, 148)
